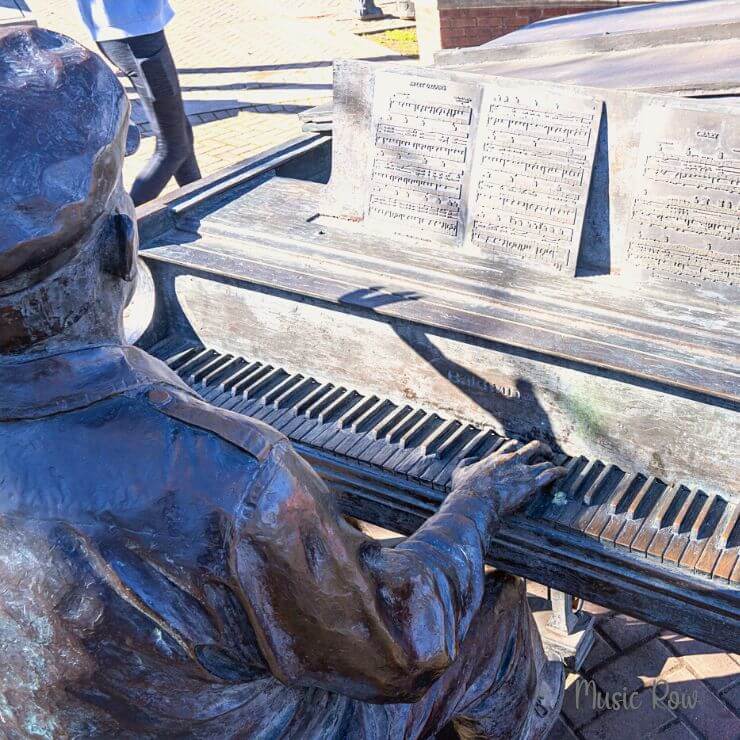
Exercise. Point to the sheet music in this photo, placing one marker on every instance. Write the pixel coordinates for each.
(422, 137)
(532, 171)
(685, 219)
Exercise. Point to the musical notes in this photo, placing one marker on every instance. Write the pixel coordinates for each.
(422, 136)
(480, 167)
(532, 175)
(685, 217)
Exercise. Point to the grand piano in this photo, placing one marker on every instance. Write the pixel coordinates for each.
(373, 295)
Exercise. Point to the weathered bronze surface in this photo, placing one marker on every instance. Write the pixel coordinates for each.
(172, 569)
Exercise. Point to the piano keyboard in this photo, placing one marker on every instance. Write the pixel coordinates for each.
(383, 452)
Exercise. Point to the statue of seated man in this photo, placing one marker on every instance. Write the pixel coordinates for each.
(172, 569)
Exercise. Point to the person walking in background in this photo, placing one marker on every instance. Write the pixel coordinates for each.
(130, 33)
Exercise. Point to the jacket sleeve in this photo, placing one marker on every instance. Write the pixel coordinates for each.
(333, 609)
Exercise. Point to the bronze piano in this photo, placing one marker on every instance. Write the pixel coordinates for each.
(387, 359)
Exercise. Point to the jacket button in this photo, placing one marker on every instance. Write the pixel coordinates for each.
(158, 396)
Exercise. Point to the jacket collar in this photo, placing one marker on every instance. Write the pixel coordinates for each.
(72, 380)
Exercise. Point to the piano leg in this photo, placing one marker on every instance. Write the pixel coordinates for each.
(567, 632)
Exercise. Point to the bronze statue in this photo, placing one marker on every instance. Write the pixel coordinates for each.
(172, 569)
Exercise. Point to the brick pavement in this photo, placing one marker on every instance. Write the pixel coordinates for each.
(246, 73)
(245, 69)
(682, 687)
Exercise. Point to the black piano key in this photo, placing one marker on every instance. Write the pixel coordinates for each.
(406, 438)
(464, 436)
(253, 407)
(176, 361)
(373, 416)
(671, 524)
(582, 484)
(564, 490)
(318, 408)
(267, 383)
(331, 416)
(359, 411)
(305, 405)
(449, 449)
(418, 441)
(387, 428)
(619, 515)
(657, 519)
(392, 444)
(445, 480)
(639, 508)
(171, 348)
(314, 426)
(196, 377)
(427, 448)
(339, 407)
(701, 531)
(362, 428)
(436, 452)
(196, 361)
(413, 466)
(254, 374)
(303, 408)
(212, 383)
(599, 492)
(397, 449)
(283, 389)
(292, 397)
(334, 420)
(488, 443)
(229, 381)
(604, 511)
(376, 437)
(436, 442)
(347, 424)
(275, 405)
(681, 528)
(717, 542)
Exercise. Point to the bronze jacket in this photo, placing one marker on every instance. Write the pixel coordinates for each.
(167, 568)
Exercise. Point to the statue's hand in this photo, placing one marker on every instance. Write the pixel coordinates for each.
(507, 477)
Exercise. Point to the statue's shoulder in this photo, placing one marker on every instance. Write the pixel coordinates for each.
(247, 434)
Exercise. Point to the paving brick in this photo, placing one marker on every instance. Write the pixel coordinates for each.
(709, 716)
(675, 730)
(561, 731)
(616, 724)
(627, 631)
(580, 700)
(599, 654)
(731, 696)
(708, 663)
(635, 669)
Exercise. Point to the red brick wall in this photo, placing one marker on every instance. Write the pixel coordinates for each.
(474, 26)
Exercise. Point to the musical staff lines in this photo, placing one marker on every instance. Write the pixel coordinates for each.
(685, 217)
(422, 138)
(532, 176)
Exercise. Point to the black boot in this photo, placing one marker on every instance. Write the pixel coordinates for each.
(368, 11)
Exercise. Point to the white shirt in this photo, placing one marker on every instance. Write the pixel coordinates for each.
(121, 19)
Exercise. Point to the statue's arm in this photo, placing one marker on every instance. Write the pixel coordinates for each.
(334, 609)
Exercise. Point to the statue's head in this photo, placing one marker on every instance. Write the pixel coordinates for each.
(67, 227)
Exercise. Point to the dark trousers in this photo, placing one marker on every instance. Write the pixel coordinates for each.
(147, 62)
